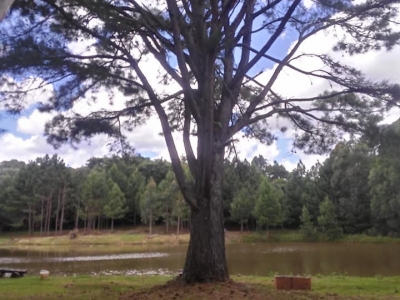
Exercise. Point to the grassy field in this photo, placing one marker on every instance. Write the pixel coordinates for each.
(101, 239)
(295, 236)
(140, 237)
(155, 287)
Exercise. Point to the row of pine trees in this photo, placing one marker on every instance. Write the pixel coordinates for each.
(355, 190)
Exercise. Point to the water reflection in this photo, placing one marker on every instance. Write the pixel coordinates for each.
(245, 259)
(82, 258)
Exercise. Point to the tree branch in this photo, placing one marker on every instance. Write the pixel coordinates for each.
(192, 162)
(175, 160)
(174, 14)
(238, 79)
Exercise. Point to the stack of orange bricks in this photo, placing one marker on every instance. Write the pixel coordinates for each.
(292, 283)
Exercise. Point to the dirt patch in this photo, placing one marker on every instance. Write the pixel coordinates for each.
(224, 291)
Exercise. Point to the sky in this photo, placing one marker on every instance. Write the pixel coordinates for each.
(24, 138)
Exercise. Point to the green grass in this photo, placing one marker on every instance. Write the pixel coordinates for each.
(125, 238)
(295, 236)
(118, 239)
(363, 238)
(112, 287)
(274, 236)
(81, 287)
(345, 285)
(4, 240)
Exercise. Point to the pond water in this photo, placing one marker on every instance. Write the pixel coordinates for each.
(244, 259)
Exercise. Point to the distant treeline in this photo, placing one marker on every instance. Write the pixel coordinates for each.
(356, 190)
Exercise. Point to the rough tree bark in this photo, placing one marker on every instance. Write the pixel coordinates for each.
(205, 260)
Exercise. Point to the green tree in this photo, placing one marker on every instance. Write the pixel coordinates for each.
(384, 181)
(307, 227)
(208, 54)
(267, 208)
(118, 177)
(280, 185)
(294, 195)
(174, 208)
(94, 197)
(136, 186)
(167, 189)
(116, 207)
(78, 177)
(150, 204)
(311, 195)
(242, 206)
(327, 220)
(346, 173)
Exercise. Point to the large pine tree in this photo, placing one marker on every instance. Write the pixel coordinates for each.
(205, 49)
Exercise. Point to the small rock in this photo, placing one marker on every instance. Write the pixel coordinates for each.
(44, 274)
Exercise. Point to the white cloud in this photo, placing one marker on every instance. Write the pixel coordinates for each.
(29, 149)
(308, 3)
(392, 116)
(34, 123)
(30, 91)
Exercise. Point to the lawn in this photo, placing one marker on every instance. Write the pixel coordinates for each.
(156, 287)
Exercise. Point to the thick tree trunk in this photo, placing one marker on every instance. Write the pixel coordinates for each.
(206, 260)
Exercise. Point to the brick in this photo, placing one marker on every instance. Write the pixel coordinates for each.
(301, 283)
(283, 282)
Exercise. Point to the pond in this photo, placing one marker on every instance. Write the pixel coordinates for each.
(244, 259)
